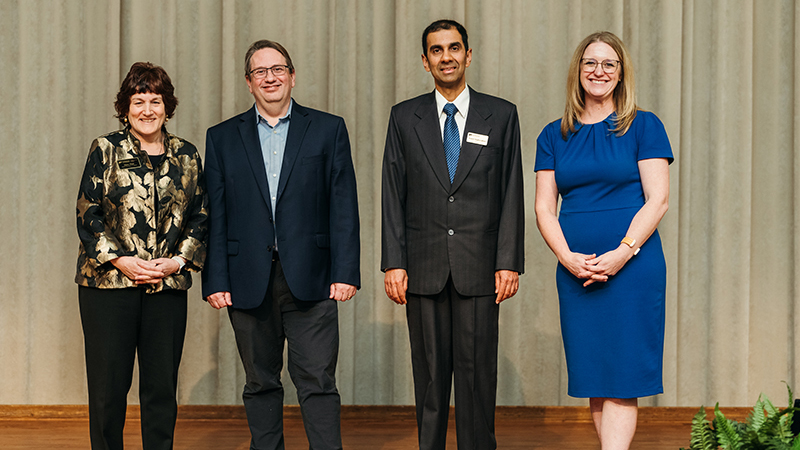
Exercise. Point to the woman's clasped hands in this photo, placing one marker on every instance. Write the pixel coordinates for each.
(593, 268)
(146, 272)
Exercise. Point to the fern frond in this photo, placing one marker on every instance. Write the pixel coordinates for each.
(727, 433)
(758, 415)
(769, 407)
(774, 443)
(785, 428)
(751, 440)
(702, 437)
(773, 425)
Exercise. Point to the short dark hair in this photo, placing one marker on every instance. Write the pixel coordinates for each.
(444, 24)
(258, 45)
(142, 78)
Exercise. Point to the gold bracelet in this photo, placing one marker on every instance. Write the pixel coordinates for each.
(629, 241)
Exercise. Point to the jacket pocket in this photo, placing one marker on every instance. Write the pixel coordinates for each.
(233, 247)
(323, 240)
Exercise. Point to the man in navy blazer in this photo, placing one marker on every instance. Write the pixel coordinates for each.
(452, 237)
(283, 246)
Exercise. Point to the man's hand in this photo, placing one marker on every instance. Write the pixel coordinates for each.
(506, 283)
(342, 292)
(220, 300)
(395, 281)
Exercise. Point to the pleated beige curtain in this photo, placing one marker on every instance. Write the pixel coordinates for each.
(722, 76)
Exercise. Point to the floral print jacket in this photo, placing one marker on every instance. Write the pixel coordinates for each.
(117, 214)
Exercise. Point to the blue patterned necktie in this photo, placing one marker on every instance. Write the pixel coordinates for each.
(452, 144)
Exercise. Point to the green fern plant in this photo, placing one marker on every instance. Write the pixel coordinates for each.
(766, 428)
(703, 436)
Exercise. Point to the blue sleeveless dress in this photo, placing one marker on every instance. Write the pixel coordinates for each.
(613, 332)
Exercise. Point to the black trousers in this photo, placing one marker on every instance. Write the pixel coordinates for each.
(311, 330)
(118, 324)
(454, 337)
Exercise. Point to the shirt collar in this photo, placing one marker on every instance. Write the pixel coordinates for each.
(461, 102)
(288, 115)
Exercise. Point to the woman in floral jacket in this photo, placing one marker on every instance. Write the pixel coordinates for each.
(142, 225)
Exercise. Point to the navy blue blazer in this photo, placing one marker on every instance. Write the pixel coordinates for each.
(316, 209)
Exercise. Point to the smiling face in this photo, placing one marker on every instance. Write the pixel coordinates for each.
(270, 92)
(146, 114)
(447, 60)
(599, 86)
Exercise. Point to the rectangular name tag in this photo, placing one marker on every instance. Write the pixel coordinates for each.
(475, 138)
(132, 163)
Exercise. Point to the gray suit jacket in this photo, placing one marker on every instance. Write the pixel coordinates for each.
(467, 230)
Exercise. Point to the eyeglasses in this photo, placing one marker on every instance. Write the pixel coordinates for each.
(261, 72)
(609, 65)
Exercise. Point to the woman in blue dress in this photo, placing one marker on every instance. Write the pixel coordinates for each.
(609, 162)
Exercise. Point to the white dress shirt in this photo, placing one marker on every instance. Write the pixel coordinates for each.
(462, 103)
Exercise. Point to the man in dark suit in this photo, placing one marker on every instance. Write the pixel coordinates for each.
(283, 246)
(452, 237)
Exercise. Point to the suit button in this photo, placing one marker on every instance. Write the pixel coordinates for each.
(451, 199)
(270, 220)
(451, 232)
(269, 248)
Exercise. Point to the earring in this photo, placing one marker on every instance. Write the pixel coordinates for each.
(166, 120)
(125, 120)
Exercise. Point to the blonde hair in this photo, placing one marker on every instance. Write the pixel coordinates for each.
(624, 93)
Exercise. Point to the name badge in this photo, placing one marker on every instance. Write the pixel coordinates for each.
(475, 138)
(132, 163)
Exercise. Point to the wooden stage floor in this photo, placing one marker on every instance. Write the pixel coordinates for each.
(373, 428)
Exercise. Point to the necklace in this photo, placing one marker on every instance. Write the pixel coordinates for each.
(155, 150)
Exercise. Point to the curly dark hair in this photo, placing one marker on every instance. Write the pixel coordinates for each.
(145, 77)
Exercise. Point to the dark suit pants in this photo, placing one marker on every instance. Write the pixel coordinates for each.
(311, 330)
(118, 324)
(454, 337)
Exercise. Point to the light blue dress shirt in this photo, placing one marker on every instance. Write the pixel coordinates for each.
(273, 144)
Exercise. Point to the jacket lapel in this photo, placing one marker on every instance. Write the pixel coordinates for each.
(477, 122)
(430, 137)
(248, 130)
(298, 125)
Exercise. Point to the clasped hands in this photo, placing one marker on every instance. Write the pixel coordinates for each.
(146, 272)
(593, 268)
